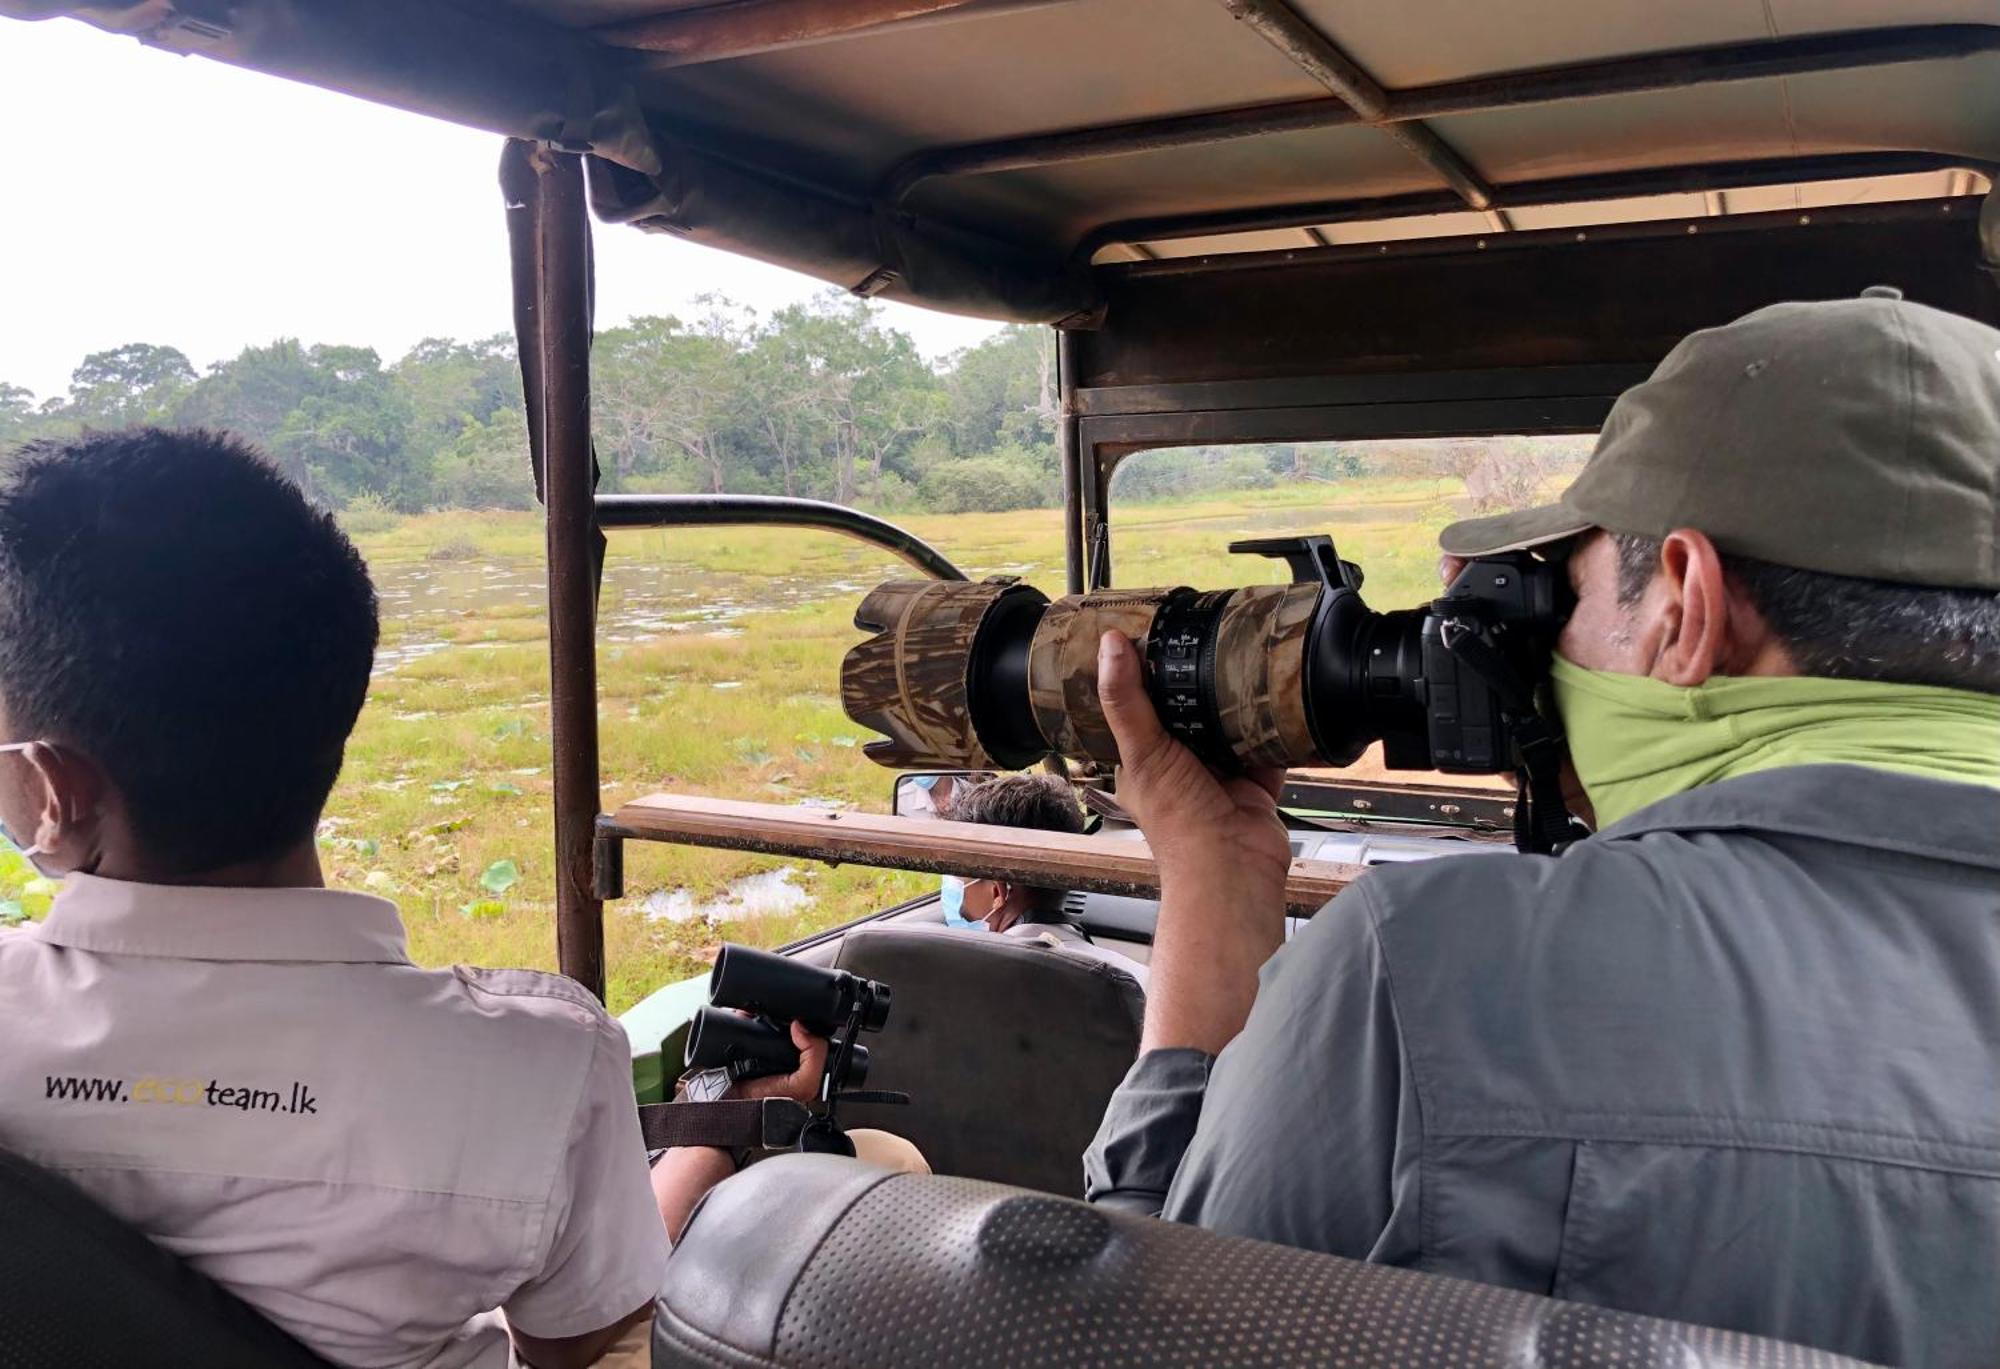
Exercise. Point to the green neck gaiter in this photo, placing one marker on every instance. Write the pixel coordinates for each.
(1636, 740)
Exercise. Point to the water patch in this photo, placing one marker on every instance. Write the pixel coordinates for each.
(388, 659)
(768, 893)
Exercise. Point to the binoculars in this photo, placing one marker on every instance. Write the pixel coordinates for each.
(768, 993)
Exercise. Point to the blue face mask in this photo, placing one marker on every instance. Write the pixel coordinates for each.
(951, 897)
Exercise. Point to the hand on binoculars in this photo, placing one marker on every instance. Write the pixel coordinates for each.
(802, 1084)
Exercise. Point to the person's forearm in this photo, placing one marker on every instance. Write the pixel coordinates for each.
(1146, 1130)
(683, 1178)
(1211, 939)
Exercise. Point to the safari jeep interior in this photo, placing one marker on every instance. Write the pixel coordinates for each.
(1247, 221)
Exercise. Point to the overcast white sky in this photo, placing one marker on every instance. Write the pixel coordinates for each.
(175, 200)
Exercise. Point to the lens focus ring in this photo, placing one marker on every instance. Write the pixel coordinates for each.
(1181, 655)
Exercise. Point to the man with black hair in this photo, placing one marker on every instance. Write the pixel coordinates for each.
(1045, 803)
(238, 1061)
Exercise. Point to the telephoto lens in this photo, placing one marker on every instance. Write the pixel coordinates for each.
(992, 675)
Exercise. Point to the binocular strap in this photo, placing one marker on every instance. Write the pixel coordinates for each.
(732, 1124)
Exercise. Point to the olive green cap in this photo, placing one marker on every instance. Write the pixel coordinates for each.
(1857, 437)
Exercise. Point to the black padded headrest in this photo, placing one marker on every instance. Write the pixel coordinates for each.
(813, 1262)
(81, 1289)
(1009, 1049)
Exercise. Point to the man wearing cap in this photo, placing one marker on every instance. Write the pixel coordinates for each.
(1735, 1059)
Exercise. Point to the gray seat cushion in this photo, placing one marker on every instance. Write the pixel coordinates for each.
(81, 1289)
(811, 1262)
(1010, 1050)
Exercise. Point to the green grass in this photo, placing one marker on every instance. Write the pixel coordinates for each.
(444, 802)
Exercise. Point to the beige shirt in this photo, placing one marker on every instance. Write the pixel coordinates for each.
(373, 1155)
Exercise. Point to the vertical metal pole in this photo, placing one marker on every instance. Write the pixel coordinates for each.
(1070, 458)
(562, 289)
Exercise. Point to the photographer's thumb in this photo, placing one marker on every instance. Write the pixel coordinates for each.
(1121, 693)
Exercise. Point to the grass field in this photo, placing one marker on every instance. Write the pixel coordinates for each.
(718, 666)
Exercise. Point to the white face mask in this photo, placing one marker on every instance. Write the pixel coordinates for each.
(31, 853)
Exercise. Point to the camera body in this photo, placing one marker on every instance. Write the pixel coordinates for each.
(1441, 687)
(1519, 604)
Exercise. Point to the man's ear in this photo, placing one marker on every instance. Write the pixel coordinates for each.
(73, 793)
(1695, 640)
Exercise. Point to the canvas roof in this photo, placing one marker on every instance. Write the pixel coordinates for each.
(994, 156)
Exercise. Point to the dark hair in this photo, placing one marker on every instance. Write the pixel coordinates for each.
(174, 609)
(1040, 801)
(1849, 628)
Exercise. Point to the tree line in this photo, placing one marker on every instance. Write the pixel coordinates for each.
(819, 399)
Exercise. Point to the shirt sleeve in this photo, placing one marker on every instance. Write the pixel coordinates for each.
(1308, 1131)
(609, 1255)
(1145, 1131)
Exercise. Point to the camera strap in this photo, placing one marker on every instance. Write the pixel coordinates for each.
(1542, 823)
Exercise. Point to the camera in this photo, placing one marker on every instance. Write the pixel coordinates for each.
(769, 992)
(993, 674)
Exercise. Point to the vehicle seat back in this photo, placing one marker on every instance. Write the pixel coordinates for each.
(813, 1262)
(80, 1288)
(1009, 1049)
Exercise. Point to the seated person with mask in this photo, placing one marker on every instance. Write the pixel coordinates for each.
(1049, 804)
(239, 1062)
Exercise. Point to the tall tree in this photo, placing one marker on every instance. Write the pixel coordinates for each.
(788, 425)
(139, 382)
(869, 384)
(348, 435)
(1003, 390)
(451, 386)
(254, 392)
(17, 413)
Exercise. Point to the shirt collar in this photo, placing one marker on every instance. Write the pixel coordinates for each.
(1853, 804)
(196, 923)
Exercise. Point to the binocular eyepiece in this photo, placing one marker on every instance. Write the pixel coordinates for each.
(776, 991)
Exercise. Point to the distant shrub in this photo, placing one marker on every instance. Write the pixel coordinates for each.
(367, 513)
(1244, 471)
(1515, 473)
(658, 482)
(893, 494)
(454, 549)
(982, 484)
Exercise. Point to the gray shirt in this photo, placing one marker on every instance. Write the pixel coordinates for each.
(1735, 1060)
(1071, 941)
